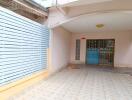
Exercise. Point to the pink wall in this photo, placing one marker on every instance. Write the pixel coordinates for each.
(123, 47)
(60, 48)
(56, 17)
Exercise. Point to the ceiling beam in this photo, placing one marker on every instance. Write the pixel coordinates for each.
(17, 4)
(63, 10)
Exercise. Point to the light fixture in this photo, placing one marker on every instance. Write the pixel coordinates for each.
(99, 25)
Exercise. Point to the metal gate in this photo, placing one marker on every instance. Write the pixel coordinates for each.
(100, 52)
(23, 47)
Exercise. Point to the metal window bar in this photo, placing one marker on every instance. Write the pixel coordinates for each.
(77, 57)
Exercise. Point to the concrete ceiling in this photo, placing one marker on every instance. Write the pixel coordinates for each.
(116, 21)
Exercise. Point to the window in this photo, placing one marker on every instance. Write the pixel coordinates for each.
(77, 49)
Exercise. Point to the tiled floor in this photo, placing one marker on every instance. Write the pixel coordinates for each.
(86, 83)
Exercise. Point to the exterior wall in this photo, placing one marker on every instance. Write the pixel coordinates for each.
(123, 47)
(56, 17)
(60, 49)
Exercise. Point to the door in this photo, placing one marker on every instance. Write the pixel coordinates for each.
(92, 56)
(100, 52)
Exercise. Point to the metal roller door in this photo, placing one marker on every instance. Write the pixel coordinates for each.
(23, 46)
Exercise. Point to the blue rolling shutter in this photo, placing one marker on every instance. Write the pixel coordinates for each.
(23, 46)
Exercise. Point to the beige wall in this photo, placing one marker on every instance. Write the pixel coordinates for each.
(60, 48)
(123, 47)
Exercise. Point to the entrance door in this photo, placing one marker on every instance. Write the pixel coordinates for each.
(92, 56)
(100, 52)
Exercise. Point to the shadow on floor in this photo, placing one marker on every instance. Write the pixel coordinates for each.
(123, 70)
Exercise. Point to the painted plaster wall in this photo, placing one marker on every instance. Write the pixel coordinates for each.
(60, 48)
(123, 47)
(57, 17)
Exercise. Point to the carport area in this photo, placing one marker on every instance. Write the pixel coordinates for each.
(65, 50)
(86, 83)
